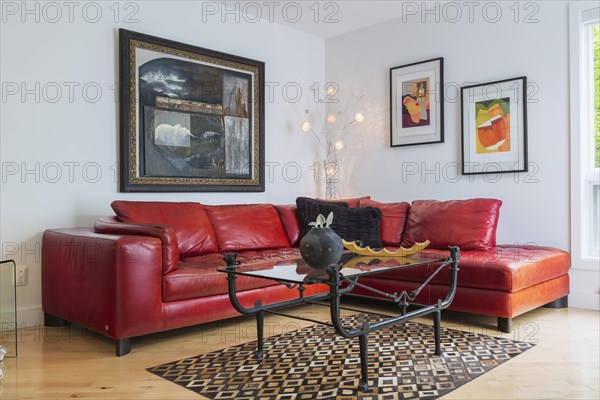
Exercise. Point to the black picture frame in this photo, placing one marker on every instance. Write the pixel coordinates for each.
(494, 127)
(417, 103)
(191, 118)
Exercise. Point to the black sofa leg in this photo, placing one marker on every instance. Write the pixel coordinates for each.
(51, 320)
(123, 347)
(563, 302)
(504, 324)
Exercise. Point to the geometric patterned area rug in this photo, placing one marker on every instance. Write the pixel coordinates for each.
(315, 363)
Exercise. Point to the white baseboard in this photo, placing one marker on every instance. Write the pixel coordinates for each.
(31, 316)
(585, 289)
(589, 301)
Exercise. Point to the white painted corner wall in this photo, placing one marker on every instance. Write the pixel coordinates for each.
(536, 204)
(77, 135)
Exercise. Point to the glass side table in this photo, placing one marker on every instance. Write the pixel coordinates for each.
(8, 307)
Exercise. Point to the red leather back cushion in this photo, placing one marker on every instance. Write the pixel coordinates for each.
(192, 227)
(247, 227)
(393, 217)
(289, 219)
(469, 224)
(352, 203)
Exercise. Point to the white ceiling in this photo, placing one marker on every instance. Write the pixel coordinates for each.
(321, 18)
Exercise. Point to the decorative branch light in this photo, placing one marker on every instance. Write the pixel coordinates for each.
(330, 137)
(322, 137)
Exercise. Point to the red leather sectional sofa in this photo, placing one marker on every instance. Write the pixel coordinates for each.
(153, 266)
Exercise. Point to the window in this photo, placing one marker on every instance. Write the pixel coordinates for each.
(585, 134)
(591, 133)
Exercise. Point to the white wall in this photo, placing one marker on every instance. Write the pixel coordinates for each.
(473, 52)
(38, 133)
(536, 204)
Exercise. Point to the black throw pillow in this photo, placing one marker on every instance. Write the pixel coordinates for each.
(361, 223)
(309, 209)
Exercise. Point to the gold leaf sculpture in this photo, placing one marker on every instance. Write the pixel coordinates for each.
(366, 263)
(401, 252)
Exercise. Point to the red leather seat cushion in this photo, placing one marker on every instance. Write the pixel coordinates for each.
(469, 224)
(192, 227)
(393, 217)
(247, 227)
(291, 223)
(505, 268)
(198, 276)
(508, 268)
(268, 255)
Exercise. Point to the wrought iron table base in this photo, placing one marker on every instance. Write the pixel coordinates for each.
(334, 295)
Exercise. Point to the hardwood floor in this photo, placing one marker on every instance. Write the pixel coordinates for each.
(66, 363)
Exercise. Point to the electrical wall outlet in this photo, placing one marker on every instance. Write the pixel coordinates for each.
(22, 275)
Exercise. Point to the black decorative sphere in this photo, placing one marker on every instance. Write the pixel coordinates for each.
(321, 247)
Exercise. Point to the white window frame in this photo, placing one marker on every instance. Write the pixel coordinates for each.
(583, 172)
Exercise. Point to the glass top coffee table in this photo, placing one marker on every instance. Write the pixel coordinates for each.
(342, 278)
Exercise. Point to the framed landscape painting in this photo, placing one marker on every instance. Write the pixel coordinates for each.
(494, 127)
(192, 119)
(416, 103)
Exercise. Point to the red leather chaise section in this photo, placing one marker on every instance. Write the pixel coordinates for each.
(508, 268)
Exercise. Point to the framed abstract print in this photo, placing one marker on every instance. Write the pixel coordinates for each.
(494, 127)
(416, 103)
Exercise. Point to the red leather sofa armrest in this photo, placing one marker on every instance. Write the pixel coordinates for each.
(166, 234)
(111, 284)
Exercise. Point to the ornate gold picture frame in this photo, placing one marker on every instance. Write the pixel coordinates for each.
(192, 119)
